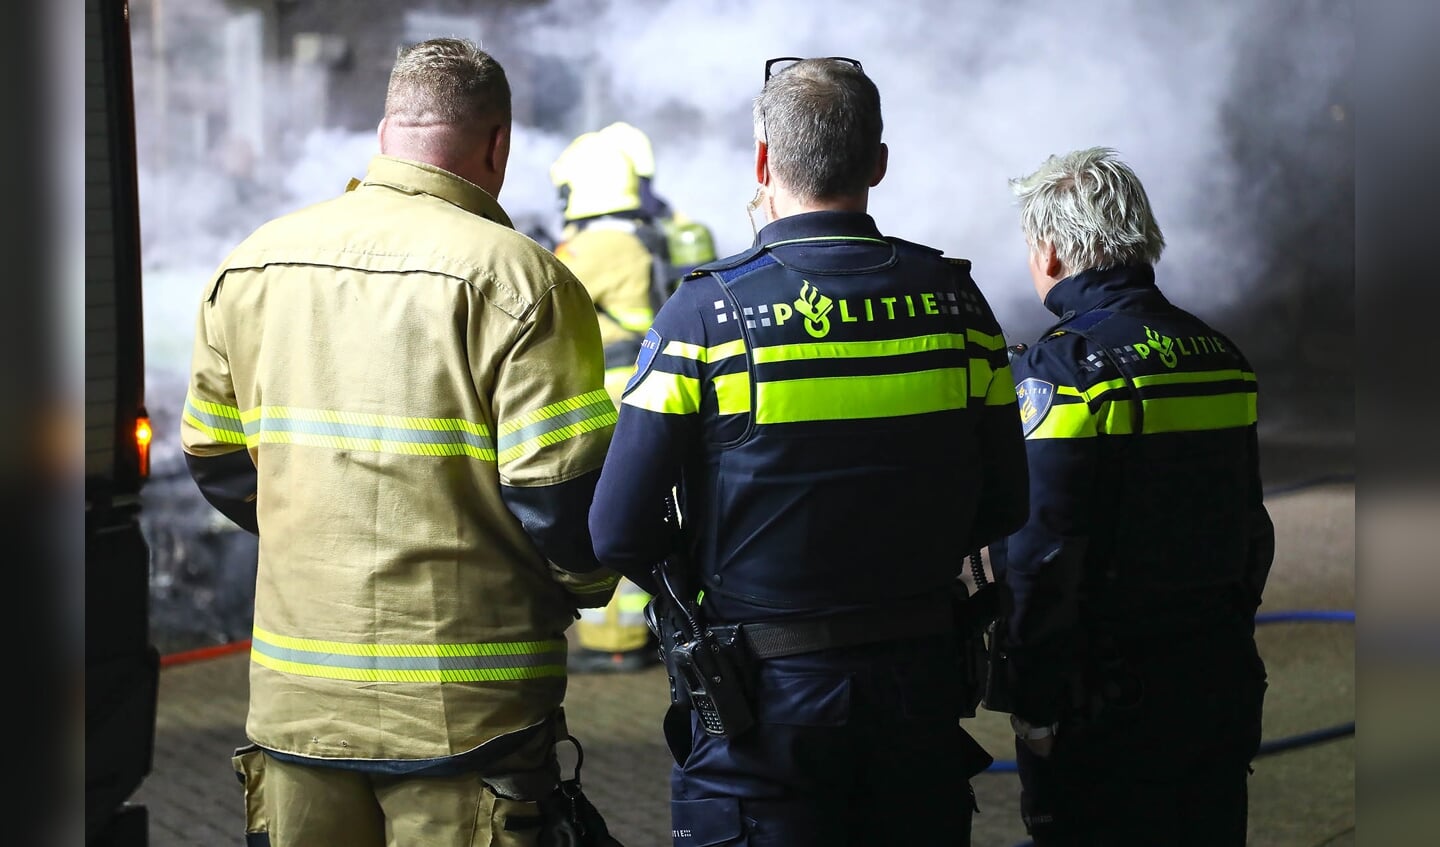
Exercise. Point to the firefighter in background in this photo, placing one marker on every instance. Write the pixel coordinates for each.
(690, 242)
(613, 242)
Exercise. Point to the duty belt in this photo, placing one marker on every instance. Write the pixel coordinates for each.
(932, 616)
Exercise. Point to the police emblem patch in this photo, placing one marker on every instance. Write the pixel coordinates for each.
(649, 348)
(1035, 397)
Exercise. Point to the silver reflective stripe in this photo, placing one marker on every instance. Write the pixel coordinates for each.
(517, 437)
(367, 432)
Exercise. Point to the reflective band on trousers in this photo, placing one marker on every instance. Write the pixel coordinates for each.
(483, 662)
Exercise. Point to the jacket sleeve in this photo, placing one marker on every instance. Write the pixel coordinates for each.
(1260, 550)
(658, 427)
(211, 432)
(1043, 560)
(1004, 494)
(554, 421)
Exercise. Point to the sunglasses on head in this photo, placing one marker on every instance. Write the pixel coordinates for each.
(784, 63)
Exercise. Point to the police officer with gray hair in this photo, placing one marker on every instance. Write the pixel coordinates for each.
(1135, 684)
(836, 408)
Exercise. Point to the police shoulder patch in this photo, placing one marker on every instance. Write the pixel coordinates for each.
(1036, 396)
(649, 349)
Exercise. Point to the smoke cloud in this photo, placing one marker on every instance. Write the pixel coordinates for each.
(1235, 114)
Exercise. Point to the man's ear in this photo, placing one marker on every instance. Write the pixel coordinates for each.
(1049, 261)
(380, 132)
(881, 163)
(497, 148)
(762, 163)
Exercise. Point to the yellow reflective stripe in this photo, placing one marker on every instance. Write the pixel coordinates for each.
(980, 376)
(859, 397)
(732, 393)
(725, 350)
(553, 410)
(599, 586)
(404, 435)
(1162, 415)
(1194, 414)
(686, 350)
(827, 238)
(1002, 388)
(362, 419)
(667, 393)
(472, 662)
(555, 423)
(599, 419)
(1065, 420)
(221, 423)
(858, 349)
(997, 387)
(1178, 378)
(990, 342)
(1230, 375)
(633, 603)
(1095, 390)
(635, 320)
(373, 445)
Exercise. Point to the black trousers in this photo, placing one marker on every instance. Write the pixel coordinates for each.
(1170, 767)
(854, 747)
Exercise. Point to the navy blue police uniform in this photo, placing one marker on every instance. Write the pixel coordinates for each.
(837, 410)
(1135, 581)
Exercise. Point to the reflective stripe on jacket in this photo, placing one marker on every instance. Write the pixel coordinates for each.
(840, 407)
(399, 363)
(1146, 518)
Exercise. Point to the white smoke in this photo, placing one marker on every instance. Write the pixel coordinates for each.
(974, 93)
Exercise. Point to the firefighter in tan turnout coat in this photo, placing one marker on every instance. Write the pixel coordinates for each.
(404, 397)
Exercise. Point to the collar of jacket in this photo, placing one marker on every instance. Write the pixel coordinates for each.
(419, 178)
(1089, 290)
(818, 225)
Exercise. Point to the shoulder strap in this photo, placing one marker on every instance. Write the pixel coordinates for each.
(1085, 326)
(727, 263)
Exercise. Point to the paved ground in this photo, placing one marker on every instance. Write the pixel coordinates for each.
(1302, 798)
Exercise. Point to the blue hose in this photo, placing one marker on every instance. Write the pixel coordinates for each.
(1304, 615)
(1278, 745)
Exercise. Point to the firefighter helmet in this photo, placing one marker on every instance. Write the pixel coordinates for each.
(595, 177)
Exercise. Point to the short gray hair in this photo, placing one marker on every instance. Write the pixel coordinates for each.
(1091, 208)
(820, 120)
(447, 81)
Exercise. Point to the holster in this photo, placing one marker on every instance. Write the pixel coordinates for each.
(708, 668)
(974, 616)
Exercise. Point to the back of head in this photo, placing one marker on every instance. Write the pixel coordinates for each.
(820, 119)
(595, 177)
(442, 92)
(1092, 209)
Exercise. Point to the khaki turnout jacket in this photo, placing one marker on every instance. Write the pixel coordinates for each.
(398, 362)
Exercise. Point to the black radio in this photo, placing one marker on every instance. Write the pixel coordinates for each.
(712, 670)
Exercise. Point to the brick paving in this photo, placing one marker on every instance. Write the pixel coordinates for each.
(1300, 798)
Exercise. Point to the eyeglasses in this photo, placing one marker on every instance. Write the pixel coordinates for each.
(784, 63)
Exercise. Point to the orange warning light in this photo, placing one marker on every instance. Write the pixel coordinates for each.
(143, 436)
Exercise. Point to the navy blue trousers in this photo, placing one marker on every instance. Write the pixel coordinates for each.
(1170, 768)
(854, 746)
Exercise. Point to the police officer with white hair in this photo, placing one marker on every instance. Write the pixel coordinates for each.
(1135, 685)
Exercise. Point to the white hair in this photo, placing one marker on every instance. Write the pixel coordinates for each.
(1091, 208)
